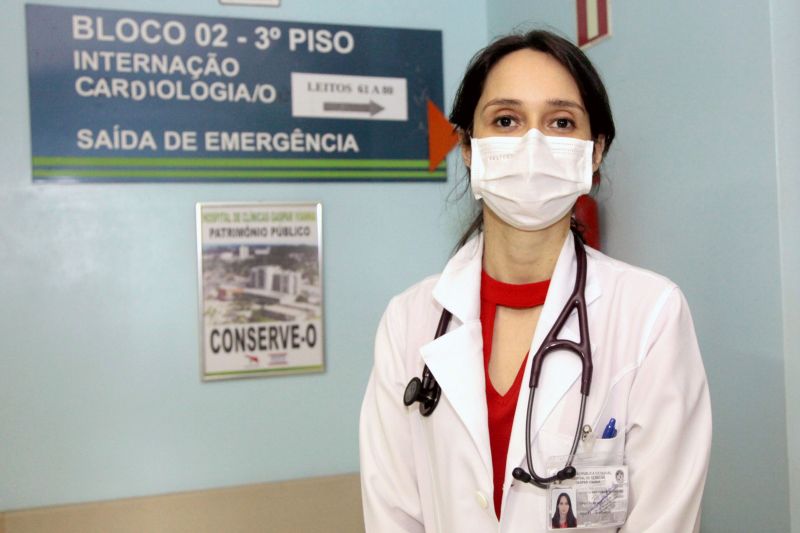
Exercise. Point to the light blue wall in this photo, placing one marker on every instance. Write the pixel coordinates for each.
(100, 394)
(786, 64)
(692, 193)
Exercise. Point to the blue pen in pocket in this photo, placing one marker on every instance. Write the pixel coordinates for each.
(610, 432)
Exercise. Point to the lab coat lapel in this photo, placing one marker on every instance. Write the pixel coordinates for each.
(456, 358)
(560, 369)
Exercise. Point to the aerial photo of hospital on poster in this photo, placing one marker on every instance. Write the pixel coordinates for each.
(260, 285)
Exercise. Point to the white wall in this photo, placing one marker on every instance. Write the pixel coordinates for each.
(786, 64)
(692, 193)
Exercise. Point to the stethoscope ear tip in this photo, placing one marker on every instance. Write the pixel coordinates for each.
(567, 473)
(521, 475)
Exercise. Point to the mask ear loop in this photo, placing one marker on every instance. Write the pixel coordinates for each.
(465, 143)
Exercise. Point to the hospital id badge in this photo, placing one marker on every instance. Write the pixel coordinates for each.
(596, 498)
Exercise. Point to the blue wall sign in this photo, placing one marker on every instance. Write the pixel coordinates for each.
(128, 96)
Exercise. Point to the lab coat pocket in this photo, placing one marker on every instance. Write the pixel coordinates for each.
(590, 452)
(601, 452)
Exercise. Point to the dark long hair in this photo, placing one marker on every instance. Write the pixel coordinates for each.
(591, 87)
(571, 520)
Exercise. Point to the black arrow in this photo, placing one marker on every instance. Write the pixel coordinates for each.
(372, 107)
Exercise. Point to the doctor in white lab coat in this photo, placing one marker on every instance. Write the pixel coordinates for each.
(435, 473)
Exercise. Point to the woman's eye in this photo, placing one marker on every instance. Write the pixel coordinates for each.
(562, 123)
(504, 122)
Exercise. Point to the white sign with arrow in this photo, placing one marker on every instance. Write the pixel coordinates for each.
(353, 97)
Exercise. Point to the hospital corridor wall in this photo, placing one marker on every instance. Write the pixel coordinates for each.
(104, 420)
(100, 394)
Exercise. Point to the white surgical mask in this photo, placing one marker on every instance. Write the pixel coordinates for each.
(530, 182)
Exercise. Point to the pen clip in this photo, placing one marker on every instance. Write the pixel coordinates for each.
(588, 437)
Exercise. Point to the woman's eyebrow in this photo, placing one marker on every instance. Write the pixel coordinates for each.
(558, 102)
(553, 102)
(506, 102)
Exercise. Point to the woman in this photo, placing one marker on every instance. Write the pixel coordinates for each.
(535, 123)
(563, 517)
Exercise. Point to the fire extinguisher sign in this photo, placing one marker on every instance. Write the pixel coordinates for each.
(594, 21)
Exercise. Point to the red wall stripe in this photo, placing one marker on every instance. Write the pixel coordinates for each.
(602, 7)
(583, 26)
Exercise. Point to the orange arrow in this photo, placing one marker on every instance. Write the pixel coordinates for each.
(441, 136)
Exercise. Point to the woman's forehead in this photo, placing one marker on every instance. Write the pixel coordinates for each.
(529, 76)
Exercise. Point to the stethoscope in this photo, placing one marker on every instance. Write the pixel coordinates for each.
(427, 391)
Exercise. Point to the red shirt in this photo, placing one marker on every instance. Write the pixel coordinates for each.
(501, 407)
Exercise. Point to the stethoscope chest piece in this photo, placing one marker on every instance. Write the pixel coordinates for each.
(427, 391)
(428, 398)
(412, 393)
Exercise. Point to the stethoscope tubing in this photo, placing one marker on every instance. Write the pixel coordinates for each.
(564, 473)
(577, 303)
(428, 392)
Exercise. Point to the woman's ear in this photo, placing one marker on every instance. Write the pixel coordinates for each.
(466, 148)
(597, 154)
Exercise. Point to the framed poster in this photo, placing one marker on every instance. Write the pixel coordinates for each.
(260, 288)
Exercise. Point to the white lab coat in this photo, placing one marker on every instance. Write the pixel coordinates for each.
(434, 474)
